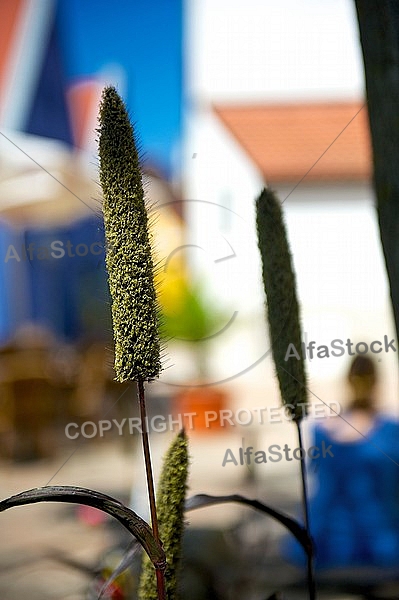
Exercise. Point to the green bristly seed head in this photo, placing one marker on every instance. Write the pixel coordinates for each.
(282, 304)
(171, 496)
(128, 258)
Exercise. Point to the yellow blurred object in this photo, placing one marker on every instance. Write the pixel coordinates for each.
(168, 241)
(172, 291)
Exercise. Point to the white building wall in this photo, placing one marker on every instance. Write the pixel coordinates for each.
(222, 184)
(341, 278)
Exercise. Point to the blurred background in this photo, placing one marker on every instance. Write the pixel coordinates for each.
(225, 96)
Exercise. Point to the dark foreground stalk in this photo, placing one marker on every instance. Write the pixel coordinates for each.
(305, 504)
(150, 483)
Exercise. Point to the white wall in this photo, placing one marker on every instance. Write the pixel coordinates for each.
(224, 183)
(341, 276)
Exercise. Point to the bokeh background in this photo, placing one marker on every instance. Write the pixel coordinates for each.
(225, 96)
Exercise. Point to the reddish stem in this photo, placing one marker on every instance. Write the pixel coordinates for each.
(150, 483)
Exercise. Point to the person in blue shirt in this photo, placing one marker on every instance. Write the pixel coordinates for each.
(354, 504)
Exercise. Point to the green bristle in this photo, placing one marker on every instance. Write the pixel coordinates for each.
(170, 508)
(128, 258)
(282, 305)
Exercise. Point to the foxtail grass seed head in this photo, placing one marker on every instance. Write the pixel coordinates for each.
(282, 305)
(171, 496)
(129, 262)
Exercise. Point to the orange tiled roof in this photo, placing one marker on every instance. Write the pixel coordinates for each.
(285, 140)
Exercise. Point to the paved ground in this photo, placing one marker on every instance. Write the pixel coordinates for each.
(32, 537)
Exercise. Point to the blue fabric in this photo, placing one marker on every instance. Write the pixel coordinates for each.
(354, 511)
(69, 293)
(14, 303)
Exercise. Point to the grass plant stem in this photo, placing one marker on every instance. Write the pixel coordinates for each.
(160, 573)
(305, 504)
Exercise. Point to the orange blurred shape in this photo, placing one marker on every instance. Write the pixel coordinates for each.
(201, 400)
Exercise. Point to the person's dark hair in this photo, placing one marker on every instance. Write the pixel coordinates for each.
(362, 366)
(362, 377)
